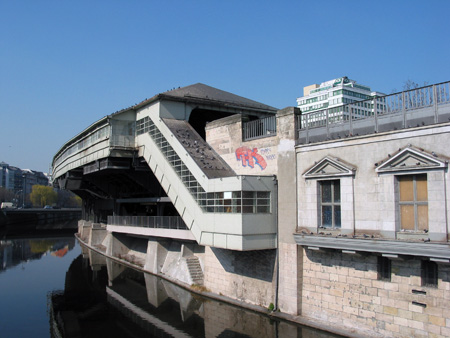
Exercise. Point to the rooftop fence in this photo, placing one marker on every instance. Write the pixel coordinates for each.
(259, 128)
(412, 108)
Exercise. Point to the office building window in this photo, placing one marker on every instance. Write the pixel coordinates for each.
(413, 202)
(330, 203)
(384, 268)
(429, 273)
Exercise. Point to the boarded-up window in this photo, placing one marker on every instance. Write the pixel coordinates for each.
(413, 202)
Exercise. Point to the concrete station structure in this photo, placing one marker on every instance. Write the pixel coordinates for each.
(343, 222)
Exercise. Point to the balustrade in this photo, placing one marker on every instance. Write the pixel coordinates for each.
(259, 128)
(160, 222)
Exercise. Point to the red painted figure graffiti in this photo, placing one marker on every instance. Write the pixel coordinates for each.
(250, 157)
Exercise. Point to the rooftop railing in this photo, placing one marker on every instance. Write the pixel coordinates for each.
(157, 222)
(411, 108)
(259, 128)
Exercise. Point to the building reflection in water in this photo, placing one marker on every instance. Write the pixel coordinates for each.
(104, 298)
(16, 251)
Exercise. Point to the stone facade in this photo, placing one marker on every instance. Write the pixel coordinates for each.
(338, 286)
(225, 136)
(344, 288)
(342, 285)
(369, 196)
(245, 276)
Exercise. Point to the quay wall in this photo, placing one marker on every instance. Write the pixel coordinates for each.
(342, 288)
(22, 222)
(247, 276)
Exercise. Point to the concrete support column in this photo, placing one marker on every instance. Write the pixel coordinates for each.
(98, 234)
(288, 293)
(156, 255)
(290, 280)
(84, 230)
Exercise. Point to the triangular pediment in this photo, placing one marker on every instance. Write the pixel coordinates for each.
(411, 158)
(329, 167)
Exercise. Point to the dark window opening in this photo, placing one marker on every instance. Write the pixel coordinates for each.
(199, 118)
(429, 273)
(384, 268)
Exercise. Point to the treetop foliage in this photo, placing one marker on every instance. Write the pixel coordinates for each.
(42, 195)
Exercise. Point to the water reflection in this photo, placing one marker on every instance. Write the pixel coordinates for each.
(16, 251)
(104, 298)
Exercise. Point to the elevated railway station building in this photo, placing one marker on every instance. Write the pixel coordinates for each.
(343, 222)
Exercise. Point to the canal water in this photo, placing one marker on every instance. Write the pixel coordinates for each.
(53, 287)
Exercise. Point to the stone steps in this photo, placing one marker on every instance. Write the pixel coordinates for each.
(195, 270)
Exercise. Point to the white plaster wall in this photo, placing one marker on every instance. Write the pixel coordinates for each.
(374, 194)
(436, 194)
(174, 110)
(150, 110)
(347, 219)
(226, 139)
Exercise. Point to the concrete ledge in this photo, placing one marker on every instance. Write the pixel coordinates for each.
(153, 232)
(421, 249)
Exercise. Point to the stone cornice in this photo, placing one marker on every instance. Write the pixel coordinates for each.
(421, 249)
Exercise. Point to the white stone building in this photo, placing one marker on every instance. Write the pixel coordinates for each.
(334, 94)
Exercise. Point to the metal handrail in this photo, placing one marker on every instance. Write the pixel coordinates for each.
(157, 222)
(402, 105)
(416, 98)
(259, 128)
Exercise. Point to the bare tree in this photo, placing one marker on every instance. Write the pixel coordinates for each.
(417, 96)
(6, 195)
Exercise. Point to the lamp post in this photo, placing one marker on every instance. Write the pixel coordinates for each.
(24, 189)
(17, 198)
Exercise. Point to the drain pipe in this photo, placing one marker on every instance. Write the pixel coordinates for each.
(277, 258)
(354, 213)
(446, 206)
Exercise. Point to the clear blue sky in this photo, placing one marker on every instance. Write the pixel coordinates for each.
(66, 64)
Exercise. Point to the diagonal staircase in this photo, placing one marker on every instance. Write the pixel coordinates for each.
(197, 181)
(195, 270)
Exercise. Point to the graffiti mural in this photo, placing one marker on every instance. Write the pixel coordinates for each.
(250, 157)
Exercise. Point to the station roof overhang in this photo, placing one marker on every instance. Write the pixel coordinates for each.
(206, 96)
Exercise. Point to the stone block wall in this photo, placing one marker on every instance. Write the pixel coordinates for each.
(290, 279)
(343, 289)
(246, 276)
